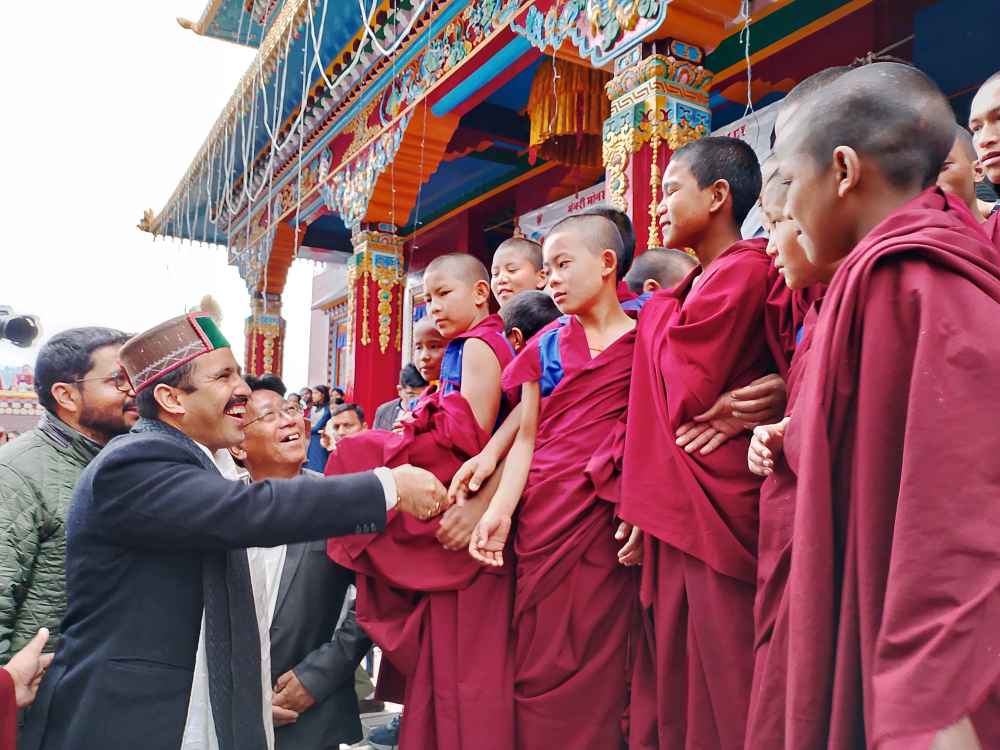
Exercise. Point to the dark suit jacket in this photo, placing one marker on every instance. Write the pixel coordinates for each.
(387, 414)
(305, 638)
(145, 513)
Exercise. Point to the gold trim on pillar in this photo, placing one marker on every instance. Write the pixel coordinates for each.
(661, 98)
(378, 257)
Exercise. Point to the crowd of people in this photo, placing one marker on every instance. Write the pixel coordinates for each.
(740, 495)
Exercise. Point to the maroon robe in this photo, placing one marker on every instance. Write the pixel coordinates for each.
(893, 609)
(784, 314)
(8, 712)
(441, 619)
(574, 607)
(992, 229)
(777, 507)
(691, 687)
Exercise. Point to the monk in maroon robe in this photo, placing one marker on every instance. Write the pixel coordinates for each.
(699, 512)
(959, 174)
(802, 280)
(893, 616)
(441, 619)
(984, 122)
(574, 607)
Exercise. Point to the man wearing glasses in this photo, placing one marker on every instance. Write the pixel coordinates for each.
(313, 661)
(86, 404)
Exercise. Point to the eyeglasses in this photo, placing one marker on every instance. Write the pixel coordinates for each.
(118, 378)
(290, 410)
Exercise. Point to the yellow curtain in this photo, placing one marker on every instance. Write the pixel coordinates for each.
(567, 118)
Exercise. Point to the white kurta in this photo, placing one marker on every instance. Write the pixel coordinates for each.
(265, 574)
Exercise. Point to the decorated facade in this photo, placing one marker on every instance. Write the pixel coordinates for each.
(432, 126)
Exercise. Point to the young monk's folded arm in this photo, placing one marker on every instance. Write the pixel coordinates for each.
(491, 533)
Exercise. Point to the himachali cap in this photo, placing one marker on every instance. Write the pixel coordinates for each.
(162, 349)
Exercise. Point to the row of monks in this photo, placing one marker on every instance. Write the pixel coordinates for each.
(751, 502)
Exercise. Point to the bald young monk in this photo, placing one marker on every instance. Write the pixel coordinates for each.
(765, 725)
(525, 314)
(657, 268)
(984, 122)
(894, 615)
(574, 603)
(704, 337)
(517, 267)
(960, 173)
(442, 620)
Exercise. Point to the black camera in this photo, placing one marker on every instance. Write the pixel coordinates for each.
(20, 330)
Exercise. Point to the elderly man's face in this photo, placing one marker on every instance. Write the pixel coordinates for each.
(276, 440)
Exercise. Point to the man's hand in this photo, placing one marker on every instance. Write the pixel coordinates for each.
(631, 552)
(959, 736)
(420, 493)
(401, 420)
(767, 444)
(27, 667)
(291, 694)
(471, 477)
(281, 716)
(489, 539)
(459, 521)
(760, 402)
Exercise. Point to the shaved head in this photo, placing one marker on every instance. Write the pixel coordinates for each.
(802, 91)
(624, 224)
(530, 251)
(596, 233)
(890, 113)
(666, 266)
(460, 266)
(425, 327)
(963, 138)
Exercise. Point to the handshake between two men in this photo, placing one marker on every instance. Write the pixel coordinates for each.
(419, 492)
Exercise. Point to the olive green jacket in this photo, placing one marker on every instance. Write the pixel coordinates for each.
(38, 472)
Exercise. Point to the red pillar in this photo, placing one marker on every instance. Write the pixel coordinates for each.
(375, 299)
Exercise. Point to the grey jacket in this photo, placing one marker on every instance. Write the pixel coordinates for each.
(38, 472)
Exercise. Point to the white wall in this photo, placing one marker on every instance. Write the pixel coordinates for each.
(332, 279)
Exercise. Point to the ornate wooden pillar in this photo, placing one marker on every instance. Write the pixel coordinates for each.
(659, 102)
(263, 266)
(265, 335)
(375, 300)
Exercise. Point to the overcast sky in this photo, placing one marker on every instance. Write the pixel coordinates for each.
(105, 106)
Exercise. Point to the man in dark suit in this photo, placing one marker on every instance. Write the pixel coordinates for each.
(161, 645)
(411, 385)
(313, 661)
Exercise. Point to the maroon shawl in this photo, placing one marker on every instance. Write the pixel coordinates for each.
(894, 585)
(694, 344)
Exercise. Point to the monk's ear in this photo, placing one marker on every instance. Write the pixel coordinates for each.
(847, 169)
(720, 192)
(650, 286)
(541, 279)
(168, 399)
(481, 292)
(609, 263)
(516, 339)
